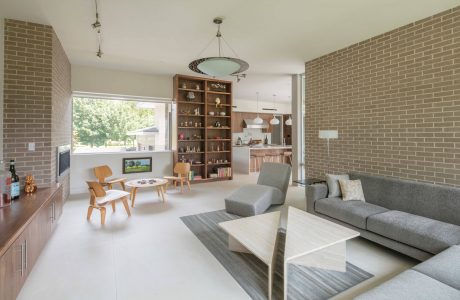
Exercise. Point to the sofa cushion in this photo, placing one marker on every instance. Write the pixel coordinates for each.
(252, 199)
(353, 212)
(333, 185)
(411, 285)
(426, 234)
(351, 190)
(422, 199)
(444, 267)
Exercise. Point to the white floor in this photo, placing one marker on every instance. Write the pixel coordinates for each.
(153, 255)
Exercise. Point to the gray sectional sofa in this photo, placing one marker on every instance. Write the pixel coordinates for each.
(418, 219)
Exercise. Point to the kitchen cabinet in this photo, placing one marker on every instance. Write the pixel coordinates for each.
(239, 117)
(25, 227)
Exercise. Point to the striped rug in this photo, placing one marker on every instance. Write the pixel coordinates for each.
(251, 273)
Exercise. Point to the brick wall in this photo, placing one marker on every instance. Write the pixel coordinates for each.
(36, 85)
(27, 98)
(61, 107)
(395, 101)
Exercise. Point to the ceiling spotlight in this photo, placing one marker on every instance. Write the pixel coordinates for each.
(99, 52)
(239, 76)
(219, 65)
(96, 24)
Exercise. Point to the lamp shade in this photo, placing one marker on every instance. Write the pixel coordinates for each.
(274, 121)
(258, 120)
(328, 134)
(288, 121)
(219, 66)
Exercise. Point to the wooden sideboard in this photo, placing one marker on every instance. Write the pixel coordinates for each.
(25, 227)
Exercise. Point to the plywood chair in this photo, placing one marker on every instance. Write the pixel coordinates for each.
(182, 170)
(103, 172)
(99, 198)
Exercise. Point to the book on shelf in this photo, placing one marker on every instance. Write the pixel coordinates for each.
(224, 172)
(197, 177)
(191, 174)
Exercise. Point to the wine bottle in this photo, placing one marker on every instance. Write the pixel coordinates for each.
(15, 189)
(5, 190)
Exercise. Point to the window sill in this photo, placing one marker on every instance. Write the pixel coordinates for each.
(127, 153)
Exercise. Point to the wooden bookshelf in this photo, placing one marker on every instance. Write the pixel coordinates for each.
(204, 139)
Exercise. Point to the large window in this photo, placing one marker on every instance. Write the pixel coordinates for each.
(119, 124)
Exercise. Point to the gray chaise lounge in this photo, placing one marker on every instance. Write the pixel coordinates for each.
(418, 219)
(254, 199)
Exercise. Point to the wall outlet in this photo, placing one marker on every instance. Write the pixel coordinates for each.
(31, 146)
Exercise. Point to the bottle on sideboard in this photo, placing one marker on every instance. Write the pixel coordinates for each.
(5, 182)
(15, 189)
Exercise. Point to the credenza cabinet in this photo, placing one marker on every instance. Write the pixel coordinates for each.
(25, 227)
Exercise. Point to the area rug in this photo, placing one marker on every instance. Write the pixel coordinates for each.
(251, 273)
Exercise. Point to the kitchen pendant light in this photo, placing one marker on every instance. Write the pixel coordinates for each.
(258, 120)
(274, 120)
(288, 121)
(219, 65)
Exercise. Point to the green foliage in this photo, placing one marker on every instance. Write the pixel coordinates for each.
(98, 121)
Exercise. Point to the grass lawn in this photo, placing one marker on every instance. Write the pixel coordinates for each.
(137, 169)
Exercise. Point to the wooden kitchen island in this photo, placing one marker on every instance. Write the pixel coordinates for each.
(249, 159)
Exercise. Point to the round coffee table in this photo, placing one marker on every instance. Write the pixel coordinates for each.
(157, 183)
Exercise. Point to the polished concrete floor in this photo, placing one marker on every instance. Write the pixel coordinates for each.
(153, 255)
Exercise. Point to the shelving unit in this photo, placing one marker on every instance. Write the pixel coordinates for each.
(204, 140)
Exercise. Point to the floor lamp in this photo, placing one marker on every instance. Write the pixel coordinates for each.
(328, 135)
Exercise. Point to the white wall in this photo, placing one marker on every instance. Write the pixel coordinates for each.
(82, 165)
(243, 105)
(97, 80)
(2, 70)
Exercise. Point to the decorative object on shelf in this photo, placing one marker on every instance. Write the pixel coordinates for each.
(197, 87)
(137, 165)
(181, 136)
(218, 87)
(190, 96)
(219, 66)
(211, 113)
(217, 124)
(274, 120)
(288, 121)
(258, 120)
(184, 85)
(222, 113)
(217, 101)
(197, 111)
(30, 186)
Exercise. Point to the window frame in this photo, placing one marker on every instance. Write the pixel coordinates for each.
(108, 97)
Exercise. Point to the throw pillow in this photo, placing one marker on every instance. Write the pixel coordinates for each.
(352, 190)
(97, 188)
(333, 184)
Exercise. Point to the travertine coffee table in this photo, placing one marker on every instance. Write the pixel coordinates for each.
(256, 235)
(314, 242)
(156, 183)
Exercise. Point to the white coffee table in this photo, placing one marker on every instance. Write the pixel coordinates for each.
(256, 235)
(157, 183)
(314, 242)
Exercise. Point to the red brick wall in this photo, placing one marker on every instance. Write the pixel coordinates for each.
(395, 101)
(36, 98)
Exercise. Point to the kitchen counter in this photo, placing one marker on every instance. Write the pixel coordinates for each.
(245, 160)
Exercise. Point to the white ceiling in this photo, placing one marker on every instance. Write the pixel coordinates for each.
(276, 37)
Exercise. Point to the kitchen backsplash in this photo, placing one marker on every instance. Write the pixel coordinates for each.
(247, 134)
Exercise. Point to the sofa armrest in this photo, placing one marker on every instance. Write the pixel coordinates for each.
(315, 192)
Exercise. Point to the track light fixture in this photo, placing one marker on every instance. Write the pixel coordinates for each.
(97, 25)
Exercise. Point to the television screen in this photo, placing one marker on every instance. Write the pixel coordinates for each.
(64, 161)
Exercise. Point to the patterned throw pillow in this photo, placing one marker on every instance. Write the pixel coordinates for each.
(333, 184)
(351, 190)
